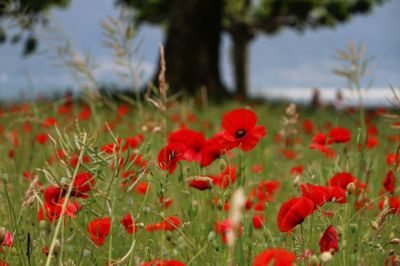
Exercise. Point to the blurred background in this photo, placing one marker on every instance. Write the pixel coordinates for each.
(266, 48)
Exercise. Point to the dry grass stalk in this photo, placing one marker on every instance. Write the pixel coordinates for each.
(30, 197)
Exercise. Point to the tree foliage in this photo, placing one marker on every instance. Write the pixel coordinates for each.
(22, 16)
(244, 19)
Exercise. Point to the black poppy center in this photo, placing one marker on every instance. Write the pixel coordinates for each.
(240, 133)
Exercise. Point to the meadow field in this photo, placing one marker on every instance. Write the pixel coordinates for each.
(166, 182)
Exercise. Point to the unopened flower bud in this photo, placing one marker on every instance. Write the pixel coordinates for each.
(351, 187)
(57, 247)
(374, 225)
(326, 256)
(314, 260)
(395, 241)
(222, 165)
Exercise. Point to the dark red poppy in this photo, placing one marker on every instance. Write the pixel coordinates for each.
(49, 121)
(129, 224)
(240, 129)
(293, 212)
(170, 155)
(342, 179)
(329, 240)
(389, 182)
(339, 135)
(85, 113)
(84, 182)
(296, 170)
(133, 142)
(224, 227)
(200, 182)
(308, 126)
(318, 194)
(192, 141)
(318, 142)
(391, 159)
(393, 204)
(168, 224)
(258, 221)
(275, 257)
(225, 178)
(53, 194)
(42, 138)
(338, 194)
(212, 150)
(98, 230)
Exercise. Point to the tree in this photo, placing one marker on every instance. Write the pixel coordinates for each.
(192, 44)
(192, 40)
(243, 20)
(25, 14)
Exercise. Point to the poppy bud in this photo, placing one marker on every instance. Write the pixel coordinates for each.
(351, 187)
(211, 236)
(2, 234)
(57, 247)
(353, 228)
(296, 181)
(314, 261)
(5, 178)
(374, 225)
(395, 241)
(326, 256)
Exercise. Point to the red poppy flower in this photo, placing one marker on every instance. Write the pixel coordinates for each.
(318, 194)
(275, 257)
(168, 224)
(85, 113)
(389, 182)
(192, 141)
(42, 138)
(240, 130)
(393, 204)
(224, 227)
(122, 110)
(142, 187)
(308, 126)
(258, 221)
(157, 262)
(170, 155)
(225, 178)
(83, 183)
(391, 159)
(52, 211)
(342, 179)
(318, 142)
(329, 240)
(293, 212)
(266, 189)
(53, 194)
(297, 170)
(133, 142)
(212, 150)
(98, 230)
(339, 135)
(129, 223)
(200, 182)
(8, 239)
(48, 122)
(338, 194)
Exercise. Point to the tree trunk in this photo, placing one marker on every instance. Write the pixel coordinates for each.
(192, 47)
(241, 38)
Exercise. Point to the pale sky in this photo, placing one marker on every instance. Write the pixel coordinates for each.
(286, 60)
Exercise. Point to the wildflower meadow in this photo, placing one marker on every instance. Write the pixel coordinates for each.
(97, 181)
